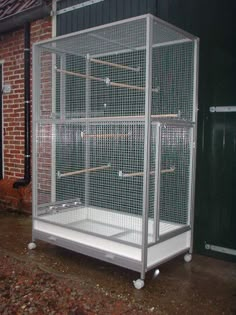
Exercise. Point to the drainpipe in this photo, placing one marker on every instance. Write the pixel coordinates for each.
(27, 176)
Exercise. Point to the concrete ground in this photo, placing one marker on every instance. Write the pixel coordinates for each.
(62, 282)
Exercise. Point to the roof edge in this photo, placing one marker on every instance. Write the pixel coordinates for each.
(15, 21)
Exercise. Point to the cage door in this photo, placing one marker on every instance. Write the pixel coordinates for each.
(170, 180)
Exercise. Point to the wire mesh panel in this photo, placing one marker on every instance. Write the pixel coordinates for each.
(106, 96)
(44, 163)
(110, 59)
(98, 178)
(176, 145)
(170, 177)
(45, 85)
(173, 69)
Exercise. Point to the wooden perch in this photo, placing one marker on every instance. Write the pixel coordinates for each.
(80, 75)
(107, 81)
(168, 170)
(116, 65)
(86, 170)
(132, 87)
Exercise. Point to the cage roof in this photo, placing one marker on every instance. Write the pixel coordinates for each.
(126, 35)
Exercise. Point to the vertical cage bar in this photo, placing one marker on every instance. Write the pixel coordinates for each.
(190, 176)
(88, 114)
(195, 79)
(36, 113)
(148, 102)
(54, 85)
(53, 148)
(157, 184)
(62, 87)
(194, 137)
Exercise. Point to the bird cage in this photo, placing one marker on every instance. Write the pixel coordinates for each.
(114, 123)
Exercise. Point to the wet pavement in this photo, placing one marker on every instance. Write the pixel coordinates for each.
(53, 280)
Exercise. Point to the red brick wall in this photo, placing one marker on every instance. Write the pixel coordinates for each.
(12, 55)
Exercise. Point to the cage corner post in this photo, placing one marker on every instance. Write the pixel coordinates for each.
(194, 140)
(148, 102)
(36, 70)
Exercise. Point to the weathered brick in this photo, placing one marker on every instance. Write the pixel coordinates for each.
(11, 51)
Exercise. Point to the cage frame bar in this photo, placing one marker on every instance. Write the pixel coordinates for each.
(101, 27)
(53, 148)
(170, 43)
(87, 113)
(169, 235)
(118, 119)
(194, 143)
(60, 51)
(146, 167)
(36, 70)
(156, 206)
(62, 87)
(112, 119)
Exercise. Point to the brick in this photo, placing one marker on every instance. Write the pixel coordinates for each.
(11, 51)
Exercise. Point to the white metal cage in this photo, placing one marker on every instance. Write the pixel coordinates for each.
(114, 123)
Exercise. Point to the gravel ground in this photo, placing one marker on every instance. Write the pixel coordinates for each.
(53, 280)
(26, 288)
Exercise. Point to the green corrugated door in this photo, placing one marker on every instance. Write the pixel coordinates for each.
(87, 13)
(216, 222)
(215, 210)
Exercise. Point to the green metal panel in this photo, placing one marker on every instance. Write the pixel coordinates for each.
(216, 222)
(99, 13)
(222, 155)
(215, 181)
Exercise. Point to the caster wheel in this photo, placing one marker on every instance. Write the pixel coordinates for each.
(138, 284)
(187, 258)
(31, 245)
(156, 273)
